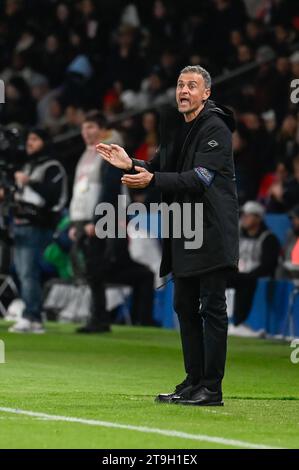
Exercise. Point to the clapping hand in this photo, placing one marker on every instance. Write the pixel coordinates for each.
(115, 155)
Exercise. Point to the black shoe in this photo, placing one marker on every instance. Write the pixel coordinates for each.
(201, 397)
(181, 390)
(89, 329)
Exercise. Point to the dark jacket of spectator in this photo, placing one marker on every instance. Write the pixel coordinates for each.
(259, 254)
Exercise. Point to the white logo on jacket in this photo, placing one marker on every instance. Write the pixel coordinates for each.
(213, 143)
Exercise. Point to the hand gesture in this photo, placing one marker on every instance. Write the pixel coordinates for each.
(115, 155)
(139, 181)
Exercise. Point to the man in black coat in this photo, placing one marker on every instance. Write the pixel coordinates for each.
(194, 164)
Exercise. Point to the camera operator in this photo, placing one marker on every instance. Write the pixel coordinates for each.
(40, 195)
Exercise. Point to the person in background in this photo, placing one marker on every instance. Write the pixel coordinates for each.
(40, 196)
(146, 151)
(279, 176)
(291, 248)
(285, 194)
(286, 143)
(106, 260)
(259, 252)
(19, 104)
(94, 182)
(147, 148)
(74, 117)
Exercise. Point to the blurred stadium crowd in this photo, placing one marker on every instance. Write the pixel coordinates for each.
(61, 59)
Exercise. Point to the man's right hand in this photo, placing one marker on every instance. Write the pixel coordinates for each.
(115, 155)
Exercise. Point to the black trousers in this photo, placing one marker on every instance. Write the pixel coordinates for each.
(200, 304)
(139, 277)
(99, 273)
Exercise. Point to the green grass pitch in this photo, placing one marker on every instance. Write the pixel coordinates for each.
(115, 377)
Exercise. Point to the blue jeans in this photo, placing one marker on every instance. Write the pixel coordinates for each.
(30, 243)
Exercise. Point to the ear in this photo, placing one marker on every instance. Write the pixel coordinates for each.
(206, 94)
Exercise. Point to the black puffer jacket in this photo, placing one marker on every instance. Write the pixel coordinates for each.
(205, 175)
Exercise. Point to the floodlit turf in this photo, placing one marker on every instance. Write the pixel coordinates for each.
(114, 377)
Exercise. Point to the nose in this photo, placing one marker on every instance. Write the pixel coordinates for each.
(183, 89)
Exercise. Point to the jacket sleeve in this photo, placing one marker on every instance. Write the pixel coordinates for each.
(210, 158)
(151, 166)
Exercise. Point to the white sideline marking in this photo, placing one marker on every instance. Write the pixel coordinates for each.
(144, 429)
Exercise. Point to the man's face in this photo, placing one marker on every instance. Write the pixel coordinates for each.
(191, 92)
(250, 221)
(33, 143)
(91, 133)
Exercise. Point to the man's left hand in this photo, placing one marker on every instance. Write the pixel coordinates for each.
(141, 180)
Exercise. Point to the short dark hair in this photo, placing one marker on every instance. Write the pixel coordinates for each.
(96, 117)
(43, 134)
(200, 71)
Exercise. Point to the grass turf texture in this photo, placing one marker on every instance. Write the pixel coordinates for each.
(115, 377)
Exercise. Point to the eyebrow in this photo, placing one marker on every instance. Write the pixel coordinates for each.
(190, 81)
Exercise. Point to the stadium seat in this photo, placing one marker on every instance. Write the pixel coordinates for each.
(279, 224)
(271, 310)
